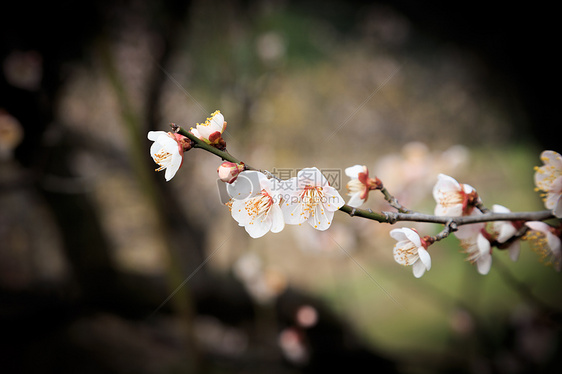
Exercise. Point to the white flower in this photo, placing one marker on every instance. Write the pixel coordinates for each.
(545, 240)
(166, 151)
(453, 198)
(505, 230)
(258, 211)
(360, 184)
(411, 250)
(211, 130)
(309, 197)
(479, 252)
(549, 179)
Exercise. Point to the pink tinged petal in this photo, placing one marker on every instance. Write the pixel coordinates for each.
(444, 185)
(552, 158)
(514, 249)
(557, 184)
(504, 229)
(557, 211)
(425, 258)
(538, 226)
(500, 209)
(552, 200)
(555, 244)
(469, 231)
(356, 201)
(418, 269)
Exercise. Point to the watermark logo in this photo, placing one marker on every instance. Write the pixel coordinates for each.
(247, 184)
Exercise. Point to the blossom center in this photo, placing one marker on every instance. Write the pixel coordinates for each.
(355, 185)
(259, 206)
(311, 197)
(407, 254)
(210, 119)
(163, 158)
(539, 244)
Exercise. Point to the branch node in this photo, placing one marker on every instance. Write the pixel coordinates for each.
(390, 217)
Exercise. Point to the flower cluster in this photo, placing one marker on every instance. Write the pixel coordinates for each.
(262, 203)
(478, 240)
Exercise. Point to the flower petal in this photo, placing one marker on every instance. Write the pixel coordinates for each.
(398, 234)
(154, 135)
(514, 249)
(353, 171)
(483, 245)
(418, 269)
(412, 236)
(425, 257)
(356, 201)
(333, 200)
(277, 221)
(483, 264)
(312, 177)
(293, 213)
(322, 219)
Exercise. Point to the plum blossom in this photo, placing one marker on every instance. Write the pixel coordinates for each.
(167, 151)
(211, 130)
(259, 211)
(228, 171)
(545, 240)
(505, 230)
(548, 178)
(479, 251)
(453, 198)
(308, 197)
(411, 249)
(360, 184)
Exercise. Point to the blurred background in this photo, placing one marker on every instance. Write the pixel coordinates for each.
(106, 268)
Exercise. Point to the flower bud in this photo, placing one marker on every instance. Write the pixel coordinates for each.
(228, 171)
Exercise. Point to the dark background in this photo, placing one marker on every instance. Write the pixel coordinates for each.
(515, 42)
